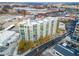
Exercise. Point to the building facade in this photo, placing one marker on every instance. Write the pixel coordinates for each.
(33, 30)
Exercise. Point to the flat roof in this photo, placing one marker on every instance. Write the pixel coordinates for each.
(7, 17)
(64, 51)
(5, 35)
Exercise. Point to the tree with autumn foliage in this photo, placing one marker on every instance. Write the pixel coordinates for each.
(25, 45)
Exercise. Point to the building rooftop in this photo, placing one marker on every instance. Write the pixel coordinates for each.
(2, 49)
(7, 17)
(5, 35)
(66, 51)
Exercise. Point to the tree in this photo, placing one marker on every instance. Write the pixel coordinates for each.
(23, 46)
(40, 40)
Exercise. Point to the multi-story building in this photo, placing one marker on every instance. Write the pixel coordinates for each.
(36, 32)
(33, 30)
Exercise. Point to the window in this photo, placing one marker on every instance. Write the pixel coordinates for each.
(51, 27)
(35, 32)
(47, 26)
(41, 29)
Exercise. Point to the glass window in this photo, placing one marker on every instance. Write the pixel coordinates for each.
(28, 33)
(51, 27)
(35, 32)
(41, 29)
(47, 26)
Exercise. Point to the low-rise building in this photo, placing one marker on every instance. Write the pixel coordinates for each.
(8, 42)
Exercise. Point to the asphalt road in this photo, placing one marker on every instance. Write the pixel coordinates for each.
(37, 51)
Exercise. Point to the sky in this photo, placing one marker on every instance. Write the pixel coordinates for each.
(39, 0)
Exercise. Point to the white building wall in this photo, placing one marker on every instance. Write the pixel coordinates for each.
(44, 29)
(26, 33)
(38, 30)
(49, 29)
(31, 32)
(20, 28)
(55, 25)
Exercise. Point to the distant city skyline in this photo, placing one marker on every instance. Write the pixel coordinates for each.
(41, 3)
